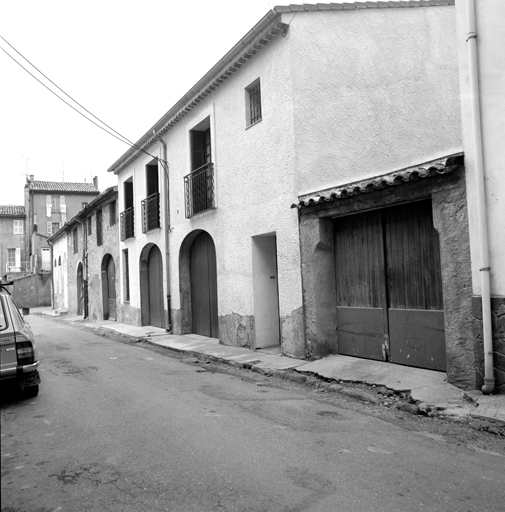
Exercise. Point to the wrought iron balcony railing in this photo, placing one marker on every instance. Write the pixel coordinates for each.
(150, 212)
(127, 223)
(199, 190)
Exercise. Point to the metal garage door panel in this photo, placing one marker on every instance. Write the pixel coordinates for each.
(361, 332)
(417, 338)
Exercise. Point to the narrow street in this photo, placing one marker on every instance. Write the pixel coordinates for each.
(130, 427)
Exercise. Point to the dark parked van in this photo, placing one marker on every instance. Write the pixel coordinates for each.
(17, 345)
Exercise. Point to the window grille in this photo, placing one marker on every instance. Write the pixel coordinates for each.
(150, 212)
(199, 190)
(127, 224)
(254, 103)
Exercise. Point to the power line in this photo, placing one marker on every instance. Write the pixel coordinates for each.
(122, 139)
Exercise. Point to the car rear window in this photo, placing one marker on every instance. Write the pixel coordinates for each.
(3, 319)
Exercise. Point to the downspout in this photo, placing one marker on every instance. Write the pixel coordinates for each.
(471, 39)
(166, 208)
(52, 274)
(85, 266)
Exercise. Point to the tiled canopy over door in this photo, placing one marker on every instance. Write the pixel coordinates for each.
(389, 287)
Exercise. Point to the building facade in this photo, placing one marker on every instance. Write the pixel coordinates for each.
(85, 258)
(48, 206)
(299, 110)
(12, 241)
(480, 35)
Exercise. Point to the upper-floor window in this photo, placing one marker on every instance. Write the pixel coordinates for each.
(11, 257)
(112, 213)
(75, 240)
(127, 216)
(55, 203)
(52, 227)
(99, 237)
(199, 184)
(253, 102)
(201, 150)
(88, 226)
(18, 227)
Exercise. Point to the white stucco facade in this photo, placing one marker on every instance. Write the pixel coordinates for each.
(345, 95)
(60, 273)
(489, 16)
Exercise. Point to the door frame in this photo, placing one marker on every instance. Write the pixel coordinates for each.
(105, 285)
(443, 181)
(144, 286)
(183, 323)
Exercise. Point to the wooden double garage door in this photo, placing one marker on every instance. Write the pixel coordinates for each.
(389, 286)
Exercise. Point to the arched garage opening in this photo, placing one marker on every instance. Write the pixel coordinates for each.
(109, 288)
(198, 285)
(151, 287)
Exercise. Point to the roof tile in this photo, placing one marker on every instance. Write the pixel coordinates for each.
(12, 211)
(430, 169)
(59, 186)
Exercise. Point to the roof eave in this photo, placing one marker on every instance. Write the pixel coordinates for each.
(225, 67)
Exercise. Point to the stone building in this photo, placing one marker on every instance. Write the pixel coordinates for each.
(48, 206)
(13, 259)
(85, 257)
(304, 109)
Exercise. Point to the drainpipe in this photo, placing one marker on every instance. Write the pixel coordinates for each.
(52, 274)
(85, 266)
(471, 39)
(166, 208)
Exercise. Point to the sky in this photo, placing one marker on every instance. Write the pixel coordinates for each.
(126, 62)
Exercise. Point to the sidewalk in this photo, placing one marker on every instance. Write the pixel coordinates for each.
(429, 389)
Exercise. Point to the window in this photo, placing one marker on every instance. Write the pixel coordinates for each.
(18, 227)
(52, 227)
(88, 224)
(127, 216)
(126, 266)
(99, 238)
(55, 203)
(59, 261)
(112, 213)
(253, 103)
(3, 319)
(199, 184)
(11, 257)
(55, 262)
(76, 242)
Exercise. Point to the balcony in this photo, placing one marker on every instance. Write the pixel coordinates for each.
(150, 212)
(127, 223)
(199, 190)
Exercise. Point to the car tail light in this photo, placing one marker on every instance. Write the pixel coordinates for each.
(25, 351)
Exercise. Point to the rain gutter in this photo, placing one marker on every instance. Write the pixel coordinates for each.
(485, 268)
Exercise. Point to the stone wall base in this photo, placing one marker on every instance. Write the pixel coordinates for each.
(498, 325)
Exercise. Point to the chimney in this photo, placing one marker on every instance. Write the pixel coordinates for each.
(95, 182)
(31, 178)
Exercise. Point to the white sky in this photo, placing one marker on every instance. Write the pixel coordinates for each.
(127, 62)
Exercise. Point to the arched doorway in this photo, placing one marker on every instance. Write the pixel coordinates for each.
(151, 287)
(203, 278)
(80, 290)
(109, 288)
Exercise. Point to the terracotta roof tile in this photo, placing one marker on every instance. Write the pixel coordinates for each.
(12, 211)
(427, 170)
(57, 186)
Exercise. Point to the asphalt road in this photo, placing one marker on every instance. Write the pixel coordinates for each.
(122, 427)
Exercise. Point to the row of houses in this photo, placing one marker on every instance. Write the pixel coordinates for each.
(25, 255)
(317, 190)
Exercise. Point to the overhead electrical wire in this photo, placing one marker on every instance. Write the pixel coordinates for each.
(116, 134)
